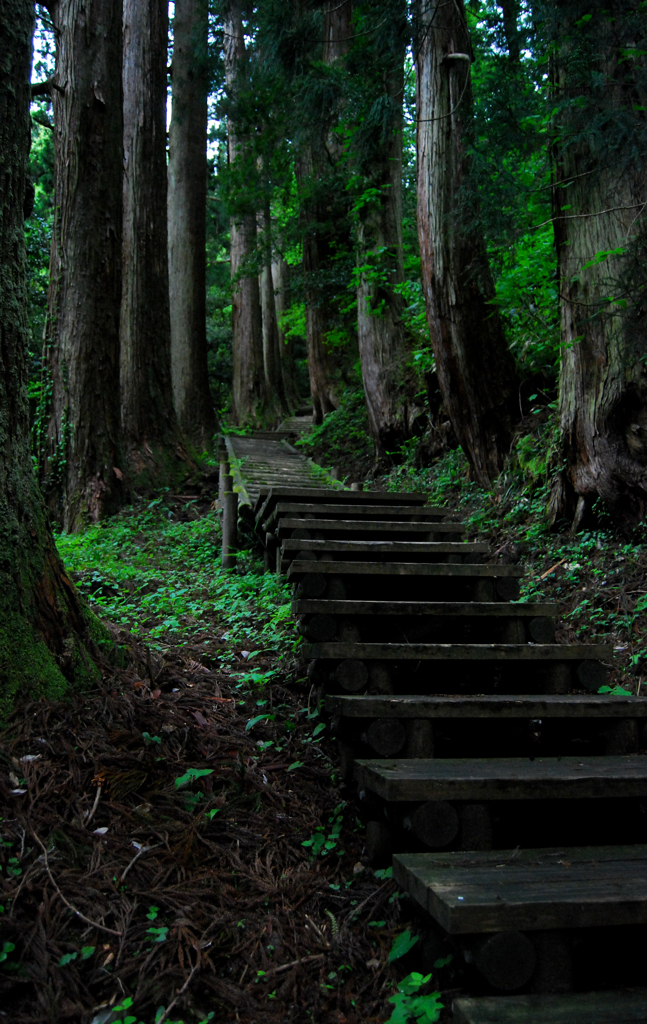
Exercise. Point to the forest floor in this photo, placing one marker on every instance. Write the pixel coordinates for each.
(177, 845)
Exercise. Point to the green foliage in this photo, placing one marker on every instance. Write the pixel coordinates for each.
(342, 435)
(410, 1005)
(160, 578)
(404, 942)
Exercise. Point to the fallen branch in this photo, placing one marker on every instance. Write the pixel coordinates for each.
(552, 569)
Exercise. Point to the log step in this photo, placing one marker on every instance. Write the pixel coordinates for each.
(289, 523)
(364, 512)
(385, 547)
(571, 1008)
(495, 706)
(458, 652)
(467, 609)
(528, 890)
(301, 567)
(268, 498)
(503, 778)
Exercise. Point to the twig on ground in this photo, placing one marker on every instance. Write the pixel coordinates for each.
(101, 927)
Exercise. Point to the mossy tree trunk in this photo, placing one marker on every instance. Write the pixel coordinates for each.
(187, 201)
(83, 465)
(598, 207)
(281, 282)
(326, 227)
(248, 386)
(384, 346)
(42, 622)
(475, 368)
(277, 406)
(150, 429)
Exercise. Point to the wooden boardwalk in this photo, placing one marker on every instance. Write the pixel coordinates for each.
(504, 789)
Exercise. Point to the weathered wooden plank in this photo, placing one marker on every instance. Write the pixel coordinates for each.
(504, 778)
(598, 887)
(570, 1008)
(487, 706)
(471, 569)
(334, 496)
(289, 523)
(368, 513)
(459, 652)
(454, 609)
(370, 547)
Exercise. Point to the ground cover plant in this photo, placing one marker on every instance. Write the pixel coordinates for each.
(176, 845)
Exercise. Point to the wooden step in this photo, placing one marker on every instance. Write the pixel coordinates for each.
(487, 706)
(289, 523)
(467, 609)
(528, 890)
(266, 501)
(457, 652)
(384, 547)
(300, 567)
(504, 778)
(628, 1007)
(359, 512)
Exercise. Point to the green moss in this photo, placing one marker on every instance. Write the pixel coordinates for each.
(26, 666)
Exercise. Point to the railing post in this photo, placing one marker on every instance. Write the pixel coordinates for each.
(229, 524)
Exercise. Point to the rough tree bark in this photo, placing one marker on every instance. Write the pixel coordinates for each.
(187, 200)
(475, 369)
(249, 395)
(603, 381)
(324, 213)
(82, 474)
(281, 282)
(383, 344)
(149, 424)
(277, 406)
(43, 627)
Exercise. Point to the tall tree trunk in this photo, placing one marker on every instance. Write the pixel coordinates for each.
(148, 420)
(249, 395)
(42, 625)
(324, 213)
(475, 369)
(603, 382)
(383, 346)
(187, 200)
(281, 282)
(84, 462)
(276, 405)
(510, 10)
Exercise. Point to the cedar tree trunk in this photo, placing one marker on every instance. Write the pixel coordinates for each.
(41, 617)
(383, 346)
(84, 462)
(148, 420)
(324, 213)
(603, 384)
(249, 396)
(476, 371)
(281, 282)
(187, 201)
(271, 351)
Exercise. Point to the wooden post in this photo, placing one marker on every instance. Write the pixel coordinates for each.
(229, 524)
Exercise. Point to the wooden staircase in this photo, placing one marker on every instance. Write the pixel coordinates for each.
(510, 796)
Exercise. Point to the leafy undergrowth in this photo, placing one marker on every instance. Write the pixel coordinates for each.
(342, 440)
(597, 577)
(176, 845)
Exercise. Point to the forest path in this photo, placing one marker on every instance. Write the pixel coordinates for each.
(487, 767)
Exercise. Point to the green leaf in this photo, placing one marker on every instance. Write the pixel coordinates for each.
(87, 951)
(295, 764)
(67, 958)
(191, 775)
(254, 721)
(403, 943)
